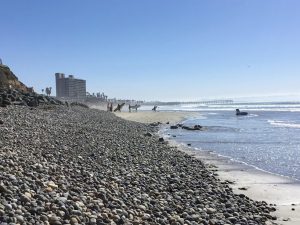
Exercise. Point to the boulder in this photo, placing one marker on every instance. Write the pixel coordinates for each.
(155, 124)
(196, 127)
(17, 97)
(148, 134)
(161, 139)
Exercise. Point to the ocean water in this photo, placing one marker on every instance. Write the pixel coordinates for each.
(267, 138)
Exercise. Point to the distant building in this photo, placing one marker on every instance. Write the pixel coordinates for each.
(69, 86)
(0, 61)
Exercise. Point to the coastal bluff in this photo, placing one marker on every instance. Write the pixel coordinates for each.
(14, 92)
(9, 80)
(74, 165)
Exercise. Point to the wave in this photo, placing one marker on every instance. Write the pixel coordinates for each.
(217, 157)
(255, 106)
(214, 108)
(251, 115)
(228, 109)
(280, 123)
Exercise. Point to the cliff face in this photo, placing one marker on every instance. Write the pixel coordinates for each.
(9, 79)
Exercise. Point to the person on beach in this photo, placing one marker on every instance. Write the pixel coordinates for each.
(111, 107)
(154, 108)
(108, 107)
(119, 107)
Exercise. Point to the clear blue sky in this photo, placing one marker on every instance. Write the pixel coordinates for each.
(156, 49)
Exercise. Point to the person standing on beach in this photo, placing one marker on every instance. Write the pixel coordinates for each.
(154, 108)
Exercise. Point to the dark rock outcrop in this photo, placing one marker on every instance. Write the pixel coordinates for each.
(8, 80)
(161, 139)
(155, 124)
(17, 97)
(239, 113)
(14, 92)
(196, 127)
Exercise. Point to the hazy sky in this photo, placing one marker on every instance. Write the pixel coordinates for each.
(156, 49)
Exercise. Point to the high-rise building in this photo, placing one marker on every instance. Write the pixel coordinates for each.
(69, 86)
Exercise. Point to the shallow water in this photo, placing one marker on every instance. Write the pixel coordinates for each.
(268, 140)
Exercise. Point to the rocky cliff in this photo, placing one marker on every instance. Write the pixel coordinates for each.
(9, 80)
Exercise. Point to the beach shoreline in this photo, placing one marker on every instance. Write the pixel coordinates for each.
(87, 166)
(280, 191)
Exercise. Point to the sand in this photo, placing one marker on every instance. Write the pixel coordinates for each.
(256, 184)
(151, 117)
(148, 116)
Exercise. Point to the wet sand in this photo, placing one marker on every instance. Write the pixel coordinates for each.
(256, 184)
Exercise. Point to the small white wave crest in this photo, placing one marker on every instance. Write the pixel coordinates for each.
(280, 123)
(252, 115)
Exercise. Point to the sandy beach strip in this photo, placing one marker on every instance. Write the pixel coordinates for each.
(256, 184)
(152, 117)
(148, 116)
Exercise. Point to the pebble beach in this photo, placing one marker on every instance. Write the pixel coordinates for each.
(73, 165)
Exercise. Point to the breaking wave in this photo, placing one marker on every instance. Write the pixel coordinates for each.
(280, 123)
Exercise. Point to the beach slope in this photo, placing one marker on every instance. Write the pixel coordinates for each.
(72, 165)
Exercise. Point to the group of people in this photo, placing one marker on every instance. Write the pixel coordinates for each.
(119, 107)
(109, 107)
